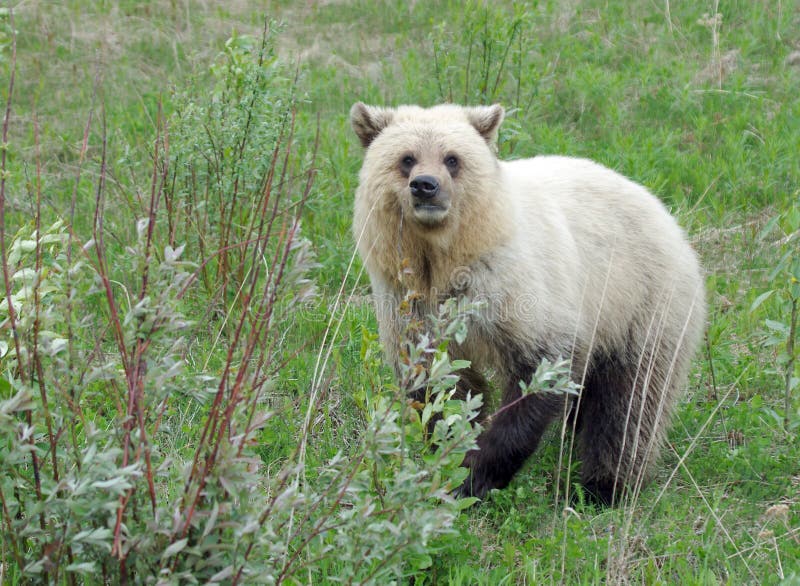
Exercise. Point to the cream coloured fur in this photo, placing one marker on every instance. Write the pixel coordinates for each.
(572, 259)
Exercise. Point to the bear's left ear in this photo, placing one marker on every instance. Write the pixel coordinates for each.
(369, 121)
(486, 120)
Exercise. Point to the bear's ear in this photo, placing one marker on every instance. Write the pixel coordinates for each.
(369, 121)
(486, 120)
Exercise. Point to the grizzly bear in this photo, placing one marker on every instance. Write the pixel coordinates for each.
(574, 260)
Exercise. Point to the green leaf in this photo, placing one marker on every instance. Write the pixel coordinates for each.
(781, 265)
(108, 483)
(82, 568)
(212, 519)
(768, 228)
(100, 536)
(223, 574)
(22, 401)
(777, 326)
(775, 415)
(420, 560)
(466, 502)
(761, 299)
(794, 287)
(26, 275)
(175, 548)
(790, 221)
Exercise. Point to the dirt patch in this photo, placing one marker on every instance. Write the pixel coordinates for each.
(719, 68)
(792, 59)
(344, 46)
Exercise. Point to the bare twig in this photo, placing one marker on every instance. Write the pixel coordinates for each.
(12, 319)
(36, 359)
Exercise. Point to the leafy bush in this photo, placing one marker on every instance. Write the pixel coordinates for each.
(232, 161)
(126, 458)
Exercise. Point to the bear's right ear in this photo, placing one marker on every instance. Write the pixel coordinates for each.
(369, 121)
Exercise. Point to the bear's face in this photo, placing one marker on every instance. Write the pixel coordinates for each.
(428, 164)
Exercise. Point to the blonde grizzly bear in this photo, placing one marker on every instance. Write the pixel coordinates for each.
(573, 260)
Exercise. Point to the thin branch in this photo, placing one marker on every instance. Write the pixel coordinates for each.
(4, 174)
(790, 364)
(36, 359)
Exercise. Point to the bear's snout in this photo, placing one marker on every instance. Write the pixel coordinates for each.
(424, 187)
(430, 201)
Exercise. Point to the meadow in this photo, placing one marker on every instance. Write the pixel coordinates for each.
(191, 386)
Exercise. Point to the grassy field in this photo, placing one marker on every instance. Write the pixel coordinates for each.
(191, 385)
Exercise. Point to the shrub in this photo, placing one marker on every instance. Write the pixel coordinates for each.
(126, 457)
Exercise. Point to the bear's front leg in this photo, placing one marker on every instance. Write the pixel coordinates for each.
(512, 435)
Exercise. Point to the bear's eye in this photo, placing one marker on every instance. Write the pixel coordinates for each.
(408, 161)
(451, 162)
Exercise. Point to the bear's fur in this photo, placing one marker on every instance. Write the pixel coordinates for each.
(573, 260)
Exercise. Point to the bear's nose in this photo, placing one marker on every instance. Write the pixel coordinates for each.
(424, 186)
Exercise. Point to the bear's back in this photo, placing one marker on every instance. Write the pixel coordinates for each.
(625, 248)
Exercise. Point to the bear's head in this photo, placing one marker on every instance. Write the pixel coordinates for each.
(434, 167)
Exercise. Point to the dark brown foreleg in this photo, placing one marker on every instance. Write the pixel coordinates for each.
(512, 435)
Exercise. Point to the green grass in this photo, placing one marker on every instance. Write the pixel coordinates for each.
(707, 116)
